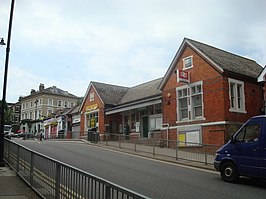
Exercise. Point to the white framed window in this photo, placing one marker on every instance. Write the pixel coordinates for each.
(72, 104)
(188, 62)
(39, 114)
(91, 97)
(49, 112)
(59, 103)
(196, 101)
(190, 102)
(30, 115)
(50, 102)
(236, 96)
(183, 102)
(66, 104)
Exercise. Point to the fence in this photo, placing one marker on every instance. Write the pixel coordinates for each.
(53, 179)
(178, 150)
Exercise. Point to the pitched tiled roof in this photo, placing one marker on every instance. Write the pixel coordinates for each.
(110, 94)
(57, 91)
(52, 91)
(142, 91)
(228, 61)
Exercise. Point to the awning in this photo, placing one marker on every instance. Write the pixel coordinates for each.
(131, 106)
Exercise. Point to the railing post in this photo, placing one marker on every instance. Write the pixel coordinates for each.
(153, 146)
(8, 149)
(106, 140)
(176, 151)
(57, 180)
(107, 192)
(119, 138)
(18, 151)
(31, 167)
(135, 142)
(205, 154)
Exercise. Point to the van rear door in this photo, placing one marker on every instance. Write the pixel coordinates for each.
(249, 149)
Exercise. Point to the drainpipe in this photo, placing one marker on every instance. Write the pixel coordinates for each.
(166, 125)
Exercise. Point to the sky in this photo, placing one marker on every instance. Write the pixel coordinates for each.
(67, 44)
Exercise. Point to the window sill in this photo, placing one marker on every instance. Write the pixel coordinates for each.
(186, 68)
(237, 111)
(191, 120)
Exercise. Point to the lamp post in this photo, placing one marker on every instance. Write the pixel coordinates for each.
(35, 126)
(2, 162)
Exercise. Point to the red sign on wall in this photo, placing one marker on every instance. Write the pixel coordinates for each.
(182, 76)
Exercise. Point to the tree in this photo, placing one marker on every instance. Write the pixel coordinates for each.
(8, 113)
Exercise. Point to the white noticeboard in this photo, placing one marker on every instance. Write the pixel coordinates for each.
(192, 136)
(159, 121)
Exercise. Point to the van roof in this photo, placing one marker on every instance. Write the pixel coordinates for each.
(259, 116)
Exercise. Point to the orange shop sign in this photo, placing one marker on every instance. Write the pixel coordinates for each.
(91, 107)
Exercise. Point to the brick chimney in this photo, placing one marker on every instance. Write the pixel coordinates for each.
(41, 87)
(32, 91)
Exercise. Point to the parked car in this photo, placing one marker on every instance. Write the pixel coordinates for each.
(245, 153)
(25, 135)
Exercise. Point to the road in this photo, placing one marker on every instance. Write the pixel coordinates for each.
(155, 179)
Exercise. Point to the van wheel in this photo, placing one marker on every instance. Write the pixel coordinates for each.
(229, 172)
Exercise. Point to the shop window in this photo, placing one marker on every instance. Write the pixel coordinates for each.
(190, 102)
(188, 62)
(156, 122)
(92, 120)
(237, 96)
(158, 108)
(49, 112)
(133, 121)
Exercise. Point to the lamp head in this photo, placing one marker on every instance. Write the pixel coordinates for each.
(2, 43)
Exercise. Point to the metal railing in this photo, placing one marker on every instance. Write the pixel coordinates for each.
(178, 150)
(53, 179)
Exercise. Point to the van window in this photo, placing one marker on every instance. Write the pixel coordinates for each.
(249, 133)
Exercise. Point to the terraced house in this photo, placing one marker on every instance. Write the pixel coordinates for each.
(40, 105)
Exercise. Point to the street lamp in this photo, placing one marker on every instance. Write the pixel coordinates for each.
(2, 162)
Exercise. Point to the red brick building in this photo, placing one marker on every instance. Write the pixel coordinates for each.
(207, 93)
(116, 109)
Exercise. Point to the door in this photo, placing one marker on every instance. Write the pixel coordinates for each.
(145, 126)
(248, 151)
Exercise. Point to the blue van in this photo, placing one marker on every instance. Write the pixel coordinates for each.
(245, 153)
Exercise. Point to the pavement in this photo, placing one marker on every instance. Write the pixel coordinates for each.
(13, 187)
